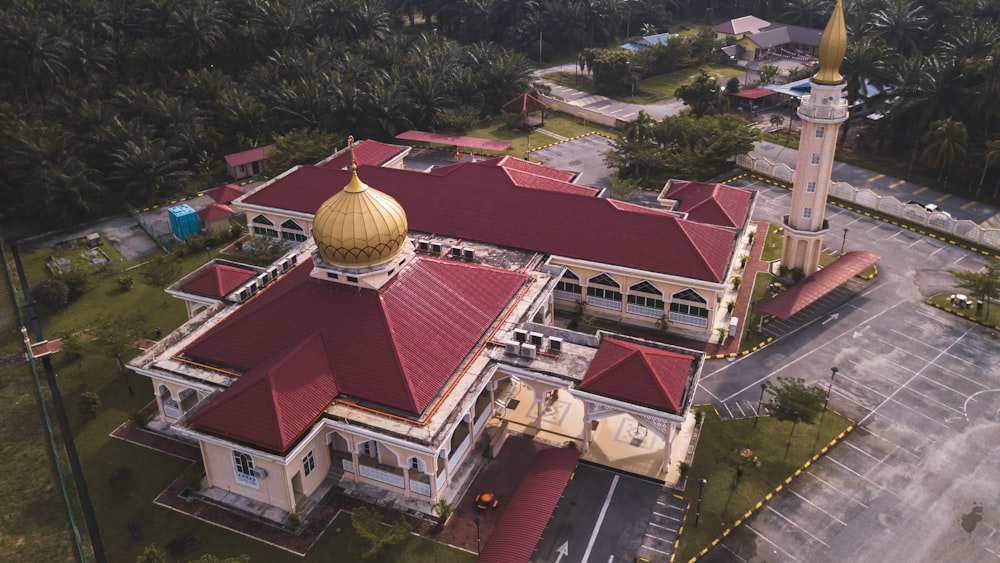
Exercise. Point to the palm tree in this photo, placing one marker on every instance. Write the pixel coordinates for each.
(198, 29)
(986, 94)
(930, 89)
(32, 55)
(865, 64)
(149, 170)
(807, 13)
(945, 142)
(901, 23)
(991, 157)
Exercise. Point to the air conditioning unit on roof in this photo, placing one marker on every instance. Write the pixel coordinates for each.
(529, 351)
(520, 335)
(555, 345)
(512, 348)
(535, 338)
(469, 254)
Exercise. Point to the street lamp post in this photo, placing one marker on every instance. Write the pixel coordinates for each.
(843, 243)
(478, 520)
(833, 373)
(763, 387)
(701, 487)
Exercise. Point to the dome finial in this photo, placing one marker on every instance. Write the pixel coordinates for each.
(355, 185)
(832, 48)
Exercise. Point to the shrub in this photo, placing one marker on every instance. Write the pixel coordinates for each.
(683, 467)
(126, 282)
(53, 293)
(368, 524)
(443, 508)
(293, 519)
(90, 403)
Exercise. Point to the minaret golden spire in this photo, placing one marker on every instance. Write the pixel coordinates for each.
(832, 48)
(355, 185)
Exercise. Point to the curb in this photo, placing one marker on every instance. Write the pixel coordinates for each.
(961, 315)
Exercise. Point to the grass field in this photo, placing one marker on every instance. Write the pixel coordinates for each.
(717, 460)
(653, 89)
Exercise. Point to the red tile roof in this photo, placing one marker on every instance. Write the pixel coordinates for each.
(481, 203)
(809, 290)
(246, 157)
(714, 204)
(366, 152)
(217, 280)
(753, 93)
(525, 103)
(639, 374)
(520, 527)
(521, 165)
(396, 347)
(215, 212)
(274, 403)
(226, 193)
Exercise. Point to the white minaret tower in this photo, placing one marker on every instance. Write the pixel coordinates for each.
(822, 112)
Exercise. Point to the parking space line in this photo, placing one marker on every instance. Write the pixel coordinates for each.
(741, 409)
(644, 546)
(862, 451)
(662, 526)
(733, 553)
(729, 411)
(920, 191)
(897, 184)
(942, 353)
(776, 546)
(789, 520)
(881, 487)
(832, 487)
(942, 198)
(876, 177)
(667, 517)
(968, 205)
(818, 507)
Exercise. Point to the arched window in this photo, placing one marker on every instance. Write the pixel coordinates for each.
(603, 291)
(243, 466)
(689, 307)
(263, 227)
(290, 230)
(645, 299)
(569, 287)
(416, 464)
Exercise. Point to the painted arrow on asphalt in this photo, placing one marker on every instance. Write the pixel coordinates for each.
(832, 317)
(563, 551)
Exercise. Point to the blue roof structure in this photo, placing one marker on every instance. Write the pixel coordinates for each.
(646, 42)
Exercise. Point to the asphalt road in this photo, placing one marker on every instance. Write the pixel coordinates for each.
(604, 516)
(917, 480)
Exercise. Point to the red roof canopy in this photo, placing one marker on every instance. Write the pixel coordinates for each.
(715, 204)
(639, 374)
(368, 152)
(483, 202)
(753, 93)
(456, 140)
(226, 193)
(525, 103)
(520, 527)
(246, 157)
(809, 290)
(395, 347)
(215, 212)
(217, 280)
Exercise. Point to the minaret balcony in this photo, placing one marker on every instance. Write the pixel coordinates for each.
(804, 231)
(832, 110)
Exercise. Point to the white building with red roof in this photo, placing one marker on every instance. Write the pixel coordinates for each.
(381, 352)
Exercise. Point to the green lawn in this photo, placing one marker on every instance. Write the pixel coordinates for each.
(341, 539)
(653, 89)
(559, 123)
(723, 501)
(990, 317)
(772, 246)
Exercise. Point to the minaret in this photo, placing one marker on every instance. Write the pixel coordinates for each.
(821, 112)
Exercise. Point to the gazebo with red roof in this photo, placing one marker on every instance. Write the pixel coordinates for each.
(654, 383)
(525, 104)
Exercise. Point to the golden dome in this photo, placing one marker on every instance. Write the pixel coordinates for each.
(359, 226)
(832, 47)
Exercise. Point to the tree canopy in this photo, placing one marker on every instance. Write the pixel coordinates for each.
(792, 401)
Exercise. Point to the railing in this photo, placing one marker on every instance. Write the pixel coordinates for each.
(440, 480)
(644, 311)
(481, 422)
(248, 480)
(170, 409)
(381, 475)
(348, 465)
(688, 319)
(420, 488)
(456, 456)
(604, 303)
(566, 295)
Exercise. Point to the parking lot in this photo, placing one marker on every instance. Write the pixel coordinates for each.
(916, 480)
(604, 517)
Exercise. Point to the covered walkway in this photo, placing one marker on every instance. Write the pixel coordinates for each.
(806, 292)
